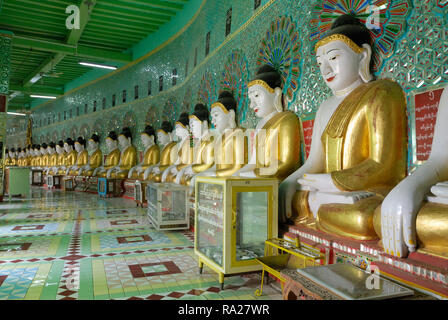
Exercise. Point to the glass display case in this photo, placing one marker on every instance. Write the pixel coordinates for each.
(37, 178)
(109, 187)
(234, 218)
(16, 182)
(167, 206)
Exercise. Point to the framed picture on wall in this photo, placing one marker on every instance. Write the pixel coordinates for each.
(94, 106)
(149, 87)
(424, 107)
(124, 96)
(228, 21)
(207, 43)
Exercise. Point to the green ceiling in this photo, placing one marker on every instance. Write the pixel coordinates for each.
(42, 45)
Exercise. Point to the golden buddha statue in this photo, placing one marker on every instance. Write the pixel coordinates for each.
(60, 158)
(112, 158)
(45, 158)
(27, 161)
(37, 157)
(203, 150)
(168, 155)
(358, 150)
(95, 158)
(151, 155)
(276, 148)
(70, 157)
(8, 158)
(52, 158)
(184, 150)
(128, 158)
(417, 208)
(82, 157)
(20, 157)
(230, 144)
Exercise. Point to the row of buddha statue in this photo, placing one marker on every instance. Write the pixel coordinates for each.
(354, 182)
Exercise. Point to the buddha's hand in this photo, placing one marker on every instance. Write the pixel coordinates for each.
(286, 192)
(146, 174)
(96, 170)
(398, 212)
(156, 170)
(130, 172)
(318, 181)
(108, 173)
(179, 176)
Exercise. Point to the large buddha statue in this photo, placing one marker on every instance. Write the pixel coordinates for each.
(112, 158)
(230, 144)
(128, 158)
(358, 149)
(151, 155)
(82, 156)
(52, 157)
(184, 150)
(28, 156)
(203, 151)
(168, 155)
(60, 158)
(7, 158)
(35, 162)
(70, 157)
(45, 158)
(276, 148)
(95, 158)
(405, 216)
(20, 157)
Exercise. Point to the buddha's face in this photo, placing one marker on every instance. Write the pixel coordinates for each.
(123, 141)
(67, 147)
(111, 144)
(78, 147)
(147, 140)
(43, 151)
(22, 154)
(339, 65)
(50, 150)
(36, 152)
(261, 101)
(196, 128)
(181, 131)
(162, 137)
(220, 119)
(59, 149)
(11, 155)
(92, 145)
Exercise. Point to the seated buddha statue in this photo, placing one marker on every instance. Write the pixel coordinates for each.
(70, 157)
(230, 144)
(60, 158)
(20, 157)
(203, 150)
(7, 158)
(128, 158)
(82, 156)
(27, 160)
(168, 154)
(44, 160)
(95, 158)
(52, 157)
(112, 158)
(405, 215)
(37, 157)
(151, 154)
(276, 148)
(184, 149)
(358, 149)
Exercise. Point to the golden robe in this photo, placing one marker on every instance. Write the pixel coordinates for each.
(150, 158)
(95, 161)
(81, 160)
(128, 160)
(203, 158)
(232, 152)
(365, 150)
(70, 160)
(166, 160)
(185, 156)
(112, 160)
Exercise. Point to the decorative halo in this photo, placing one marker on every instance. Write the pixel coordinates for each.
(281, 49)
(392, 16)
(235, 78)
(170, 110)
(207, 89)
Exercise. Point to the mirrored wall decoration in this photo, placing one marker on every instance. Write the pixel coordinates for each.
(170, 110)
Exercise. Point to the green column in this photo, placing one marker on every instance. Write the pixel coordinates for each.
(5, 69)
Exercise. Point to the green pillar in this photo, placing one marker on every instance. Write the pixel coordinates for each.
(5, 69)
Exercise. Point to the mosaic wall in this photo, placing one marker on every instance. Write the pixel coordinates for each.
(411, 41)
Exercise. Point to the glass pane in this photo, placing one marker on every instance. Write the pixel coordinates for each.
(173, 205)
(151, 198)
(251, 224)
(210, 221)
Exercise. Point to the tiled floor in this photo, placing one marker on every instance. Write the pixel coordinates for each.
(75, 245)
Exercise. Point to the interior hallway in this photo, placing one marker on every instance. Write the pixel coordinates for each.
(72, 245)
